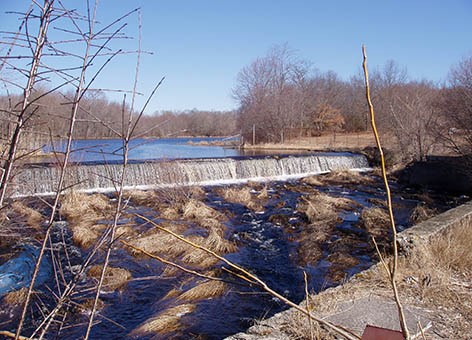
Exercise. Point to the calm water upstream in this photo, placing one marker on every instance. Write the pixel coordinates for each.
(146, 149)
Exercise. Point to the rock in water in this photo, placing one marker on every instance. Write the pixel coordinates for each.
(18, 271)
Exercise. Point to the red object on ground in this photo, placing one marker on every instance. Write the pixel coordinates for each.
(379, 333)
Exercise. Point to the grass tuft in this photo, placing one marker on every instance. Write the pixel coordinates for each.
(422, 213)
(78, 205)
(164, 322)
(115, 277)
(205, 290)
(16, 297)
(197, 210)
(376, 221)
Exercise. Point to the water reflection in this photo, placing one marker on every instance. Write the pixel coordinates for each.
(163, 148)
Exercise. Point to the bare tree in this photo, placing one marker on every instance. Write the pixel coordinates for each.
(36, 45)
(96, 55)
(266, 92)
(413, 118)
(455, 104)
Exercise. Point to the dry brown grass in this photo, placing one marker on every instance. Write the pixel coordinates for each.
(242, 195)
(309, 242)
(438, 276)
(164, 322)
(170, 213)
(140, 197)
(212, 224)
(435, 276)
(322, 207)
(87, 306)
(16, 297)
(345, 177)
(339, 263)
(263, 194)
(180, 194)
(375, 220)
(205, 290)
(197, 210)
(86, 234)
(325, 142)
(158, 242)
(115, 277)
(80, 206)
(422, 213)
(82, 212)
(321, 211)
(33, 217)
(312, 180)
(236, 194)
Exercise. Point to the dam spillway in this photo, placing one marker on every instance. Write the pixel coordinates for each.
(42, 178)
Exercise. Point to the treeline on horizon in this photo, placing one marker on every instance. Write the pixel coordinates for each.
(282, 97)
(97, 114)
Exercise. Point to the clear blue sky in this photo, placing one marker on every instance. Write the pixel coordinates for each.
(200, 46)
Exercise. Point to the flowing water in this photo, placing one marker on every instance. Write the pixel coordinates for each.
(266, 247)
(97, 176)
(266, 242)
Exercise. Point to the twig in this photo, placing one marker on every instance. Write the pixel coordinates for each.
(307, 296)
(12, 335)
(393, 269)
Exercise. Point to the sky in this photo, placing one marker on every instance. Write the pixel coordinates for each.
(200, 46)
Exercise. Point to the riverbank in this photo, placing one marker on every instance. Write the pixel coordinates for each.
(327, 142)
(434, 278)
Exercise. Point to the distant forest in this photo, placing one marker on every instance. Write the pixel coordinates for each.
(97, 113)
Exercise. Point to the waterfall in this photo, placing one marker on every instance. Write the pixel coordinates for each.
(42, 178)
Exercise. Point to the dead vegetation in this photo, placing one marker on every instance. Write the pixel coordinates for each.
(16, 297)
(32, 217)
(324, 208)
(197, 210)
(340, 261)
(115, 277)
(321, 211)
(435, 277)
(158, 242)
(422, 213)
(77, 205)
(244, 196)
(205, 290)
(166, 321)
(375, 220)
(83, 211)
(341, 177)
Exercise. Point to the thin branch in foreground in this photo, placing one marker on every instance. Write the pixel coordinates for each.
(393, 269)
(307, 298)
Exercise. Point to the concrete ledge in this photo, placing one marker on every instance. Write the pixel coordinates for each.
(424, 231)
(345, 312)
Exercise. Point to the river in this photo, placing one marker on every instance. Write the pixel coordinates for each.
(151, 149)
